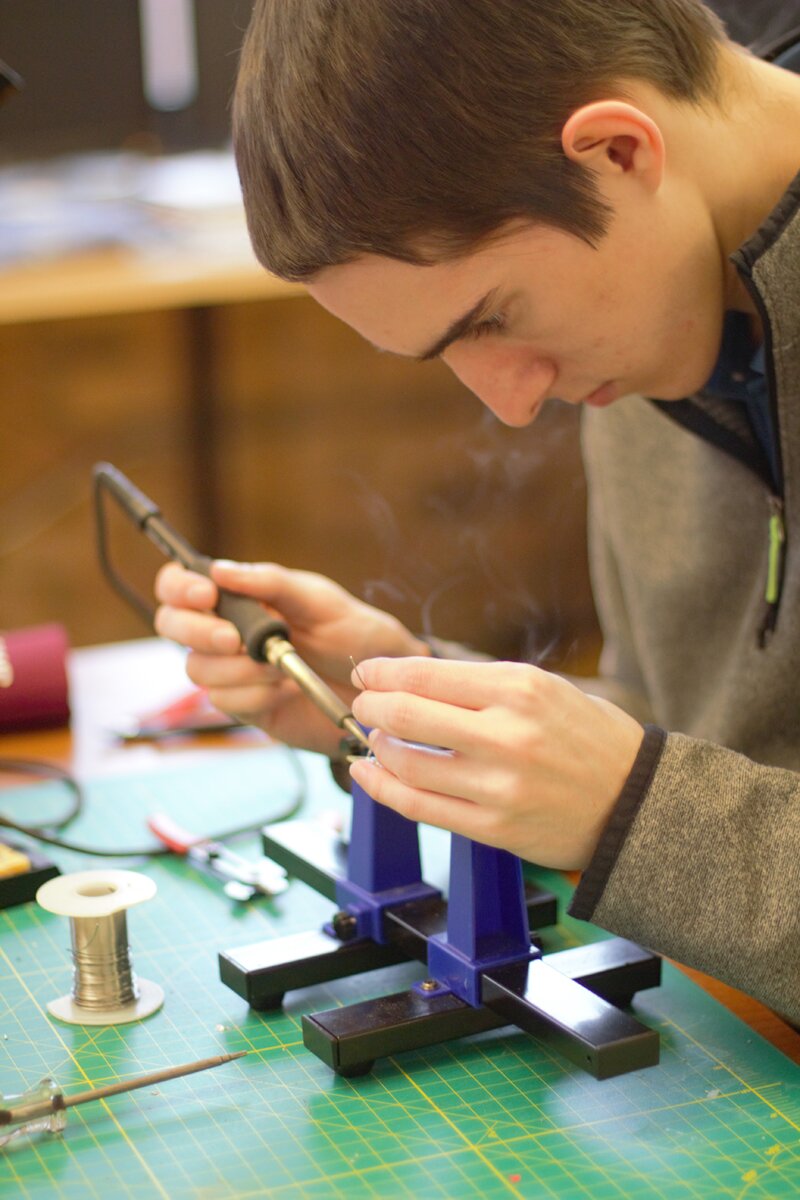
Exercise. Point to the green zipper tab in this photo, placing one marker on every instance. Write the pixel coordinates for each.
(777, 538)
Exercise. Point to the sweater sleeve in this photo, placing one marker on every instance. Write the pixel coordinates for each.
(704, 867)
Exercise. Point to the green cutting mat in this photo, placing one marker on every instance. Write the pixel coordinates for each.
(494, 1116)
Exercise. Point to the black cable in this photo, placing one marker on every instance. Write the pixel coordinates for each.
(45, 833)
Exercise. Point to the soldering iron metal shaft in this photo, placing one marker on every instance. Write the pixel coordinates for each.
(282, 654)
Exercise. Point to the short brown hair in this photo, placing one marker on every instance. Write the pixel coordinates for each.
(374, 126)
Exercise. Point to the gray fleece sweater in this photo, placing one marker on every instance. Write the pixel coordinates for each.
(701, 857)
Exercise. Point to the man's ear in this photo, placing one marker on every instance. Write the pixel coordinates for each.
(613, 138)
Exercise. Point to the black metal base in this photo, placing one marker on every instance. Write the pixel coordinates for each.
(571, 999)
(541, 997)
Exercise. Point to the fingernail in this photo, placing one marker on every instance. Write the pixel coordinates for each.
(359, 760)
(229, 565)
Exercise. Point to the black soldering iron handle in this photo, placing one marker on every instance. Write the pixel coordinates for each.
(255, 626)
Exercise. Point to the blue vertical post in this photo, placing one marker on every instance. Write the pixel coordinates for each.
(383, 865)
(487, 918)
(384, 847)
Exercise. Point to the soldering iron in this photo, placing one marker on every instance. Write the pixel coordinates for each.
(265, 638)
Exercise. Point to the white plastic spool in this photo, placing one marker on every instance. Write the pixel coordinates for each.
(99, 896)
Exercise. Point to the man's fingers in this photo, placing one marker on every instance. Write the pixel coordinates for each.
(467, 685)
(185, 589)
(458, 816)
(200, 631)
(297, 596)
(243, 702)
(444, 772)
(415, 719)
(230, 670)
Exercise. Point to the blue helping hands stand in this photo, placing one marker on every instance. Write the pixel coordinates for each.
(485, 968)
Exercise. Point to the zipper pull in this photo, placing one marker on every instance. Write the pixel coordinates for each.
(777, 545)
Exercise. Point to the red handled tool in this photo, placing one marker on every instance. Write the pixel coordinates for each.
(244, 878)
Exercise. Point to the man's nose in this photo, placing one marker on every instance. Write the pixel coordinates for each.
(512, 382)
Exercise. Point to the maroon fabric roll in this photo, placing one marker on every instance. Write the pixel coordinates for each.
(34, 693)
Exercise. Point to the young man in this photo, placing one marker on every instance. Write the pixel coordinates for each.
(597, 203)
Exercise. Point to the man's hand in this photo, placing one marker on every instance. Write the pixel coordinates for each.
(504, 753)
(328, 627)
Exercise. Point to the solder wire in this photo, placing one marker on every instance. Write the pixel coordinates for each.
(103, 969)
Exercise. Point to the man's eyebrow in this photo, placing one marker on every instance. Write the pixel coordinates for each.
(459, 327)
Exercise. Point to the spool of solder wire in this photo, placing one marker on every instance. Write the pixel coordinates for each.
(105, 989)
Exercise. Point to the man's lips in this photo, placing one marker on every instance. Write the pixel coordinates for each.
(602, 396)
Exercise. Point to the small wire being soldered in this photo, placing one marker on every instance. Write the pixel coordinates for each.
(47, 833)
(357, 672)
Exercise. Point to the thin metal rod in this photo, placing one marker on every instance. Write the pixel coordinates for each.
(130, 1085)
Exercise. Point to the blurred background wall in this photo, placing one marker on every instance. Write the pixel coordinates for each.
(263, 427)
(136, 328)
(92, 75)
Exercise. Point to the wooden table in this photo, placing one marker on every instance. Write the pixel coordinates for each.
(110, 282)
(111, 683)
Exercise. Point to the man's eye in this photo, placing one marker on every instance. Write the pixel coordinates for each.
(493, 324)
